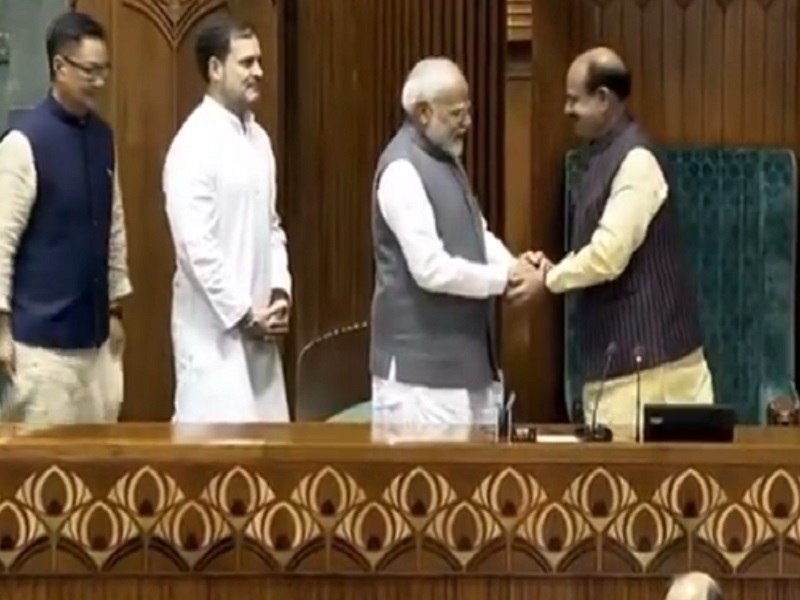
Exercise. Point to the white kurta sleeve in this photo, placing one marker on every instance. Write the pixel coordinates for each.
(17, 197)
(281, 276)
(405, 207)
(118, 278)
(496, 251)
(194, 223)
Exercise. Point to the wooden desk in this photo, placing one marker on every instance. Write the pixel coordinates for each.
(140, 511)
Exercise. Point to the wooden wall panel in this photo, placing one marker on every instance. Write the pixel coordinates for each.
(345, 63)
(705, 71)
(155, 85)
(516, 228)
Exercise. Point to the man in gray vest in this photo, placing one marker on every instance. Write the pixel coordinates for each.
(638, 325)
(437, 272)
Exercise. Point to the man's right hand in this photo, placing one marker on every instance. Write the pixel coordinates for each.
(524, 282)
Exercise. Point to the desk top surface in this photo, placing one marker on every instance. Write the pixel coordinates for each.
(352, 442)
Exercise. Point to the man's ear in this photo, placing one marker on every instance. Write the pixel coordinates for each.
(423, 113)
(603, 94)
(214, 68)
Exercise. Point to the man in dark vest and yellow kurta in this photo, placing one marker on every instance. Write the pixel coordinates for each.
(636, 302)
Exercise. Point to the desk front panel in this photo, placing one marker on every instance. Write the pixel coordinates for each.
(317, 507)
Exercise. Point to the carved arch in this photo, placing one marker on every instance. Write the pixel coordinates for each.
(174, 18)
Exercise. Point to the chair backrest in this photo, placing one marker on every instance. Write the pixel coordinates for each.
(737, 209)
(333, 373)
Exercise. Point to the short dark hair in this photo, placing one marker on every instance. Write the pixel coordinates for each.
(615, 78)
(69, 29)
(214, 41)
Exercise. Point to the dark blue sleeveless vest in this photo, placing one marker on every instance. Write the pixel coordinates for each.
(60, 295)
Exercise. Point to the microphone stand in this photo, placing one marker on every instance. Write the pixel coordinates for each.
(509, 416)
(637, 357)
(596, 432)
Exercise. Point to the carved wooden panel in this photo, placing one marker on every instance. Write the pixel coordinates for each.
(174, 18)
(303, 511)
(382, 518)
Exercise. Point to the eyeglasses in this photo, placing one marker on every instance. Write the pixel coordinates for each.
(90, 72)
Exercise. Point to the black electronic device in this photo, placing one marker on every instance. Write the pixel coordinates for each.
(689, 423)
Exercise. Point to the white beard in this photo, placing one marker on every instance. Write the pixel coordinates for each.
(442, 138)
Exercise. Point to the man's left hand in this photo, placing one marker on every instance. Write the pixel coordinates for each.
(116, 336)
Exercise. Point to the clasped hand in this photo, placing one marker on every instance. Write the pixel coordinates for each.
(269, 323)
(526, 277)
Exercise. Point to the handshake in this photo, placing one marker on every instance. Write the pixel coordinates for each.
(526, 277)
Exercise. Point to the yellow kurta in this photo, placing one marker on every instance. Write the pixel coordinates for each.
(637, 193)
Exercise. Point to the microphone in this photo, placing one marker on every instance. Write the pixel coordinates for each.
(595, 432)
(638, 358)
(508, 416)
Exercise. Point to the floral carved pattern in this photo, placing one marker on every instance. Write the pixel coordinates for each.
(392, 518)
(174, 18)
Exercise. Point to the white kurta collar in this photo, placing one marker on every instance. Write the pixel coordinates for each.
(215, 107)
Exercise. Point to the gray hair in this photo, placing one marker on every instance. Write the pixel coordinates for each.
(427, 80)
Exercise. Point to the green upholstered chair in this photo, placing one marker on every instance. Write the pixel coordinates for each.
(737, 211)
(333, 379)
(358, 413)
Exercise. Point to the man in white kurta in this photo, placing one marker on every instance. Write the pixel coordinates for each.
(232, 264)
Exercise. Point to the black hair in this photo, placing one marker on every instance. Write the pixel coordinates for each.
(69, 29)
(614, 77)
(214, 41)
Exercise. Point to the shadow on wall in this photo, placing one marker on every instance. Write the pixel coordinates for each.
(23, 61)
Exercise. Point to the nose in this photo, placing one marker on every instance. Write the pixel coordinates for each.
(258, 71)
(467, 121)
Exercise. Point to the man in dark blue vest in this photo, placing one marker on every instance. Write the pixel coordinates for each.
(63, 266)
(637, 314)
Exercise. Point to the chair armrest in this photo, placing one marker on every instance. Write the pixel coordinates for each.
(780, 404)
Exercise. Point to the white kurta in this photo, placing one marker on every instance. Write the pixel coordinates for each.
(230, 249)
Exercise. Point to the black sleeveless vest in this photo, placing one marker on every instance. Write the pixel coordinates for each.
(651, 308)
